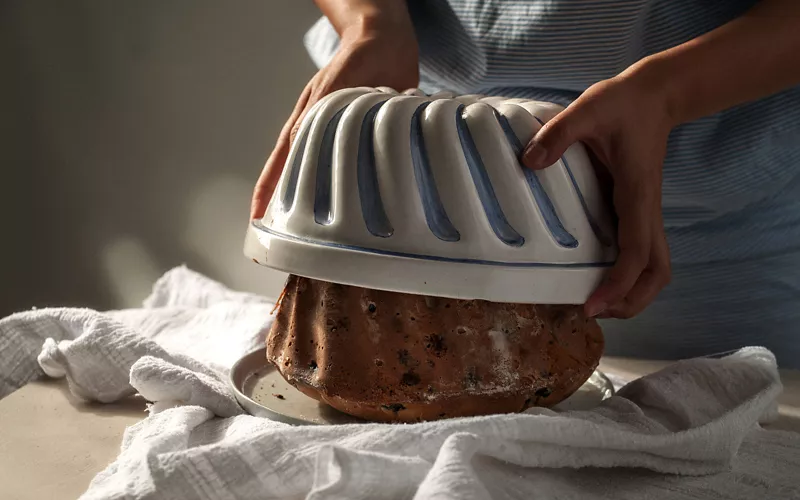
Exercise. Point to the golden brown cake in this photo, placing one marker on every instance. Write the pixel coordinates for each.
(389, 356)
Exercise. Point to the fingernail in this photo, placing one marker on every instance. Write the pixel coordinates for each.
(592, 310)
(534, 155)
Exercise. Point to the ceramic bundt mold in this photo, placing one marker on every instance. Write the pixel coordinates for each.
(425, 194)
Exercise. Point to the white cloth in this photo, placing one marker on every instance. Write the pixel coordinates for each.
(688, 432)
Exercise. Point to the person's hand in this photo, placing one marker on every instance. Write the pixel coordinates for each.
(383, 55)
(625, 123)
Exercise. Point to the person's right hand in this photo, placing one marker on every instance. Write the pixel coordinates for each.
(625, 123)
(374, 56)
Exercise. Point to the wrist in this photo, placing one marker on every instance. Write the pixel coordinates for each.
(660, 78)
(388, 39)
(376, 23)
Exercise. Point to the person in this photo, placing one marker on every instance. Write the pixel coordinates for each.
(693, 107)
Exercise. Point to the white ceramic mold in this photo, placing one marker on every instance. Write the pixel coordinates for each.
(425, 194)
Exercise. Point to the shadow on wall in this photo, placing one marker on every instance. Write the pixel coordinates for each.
(136, 131)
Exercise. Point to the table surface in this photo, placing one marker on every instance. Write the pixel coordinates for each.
(52, 445)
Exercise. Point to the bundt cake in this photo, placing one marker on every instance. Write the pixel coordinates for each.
(388, 356)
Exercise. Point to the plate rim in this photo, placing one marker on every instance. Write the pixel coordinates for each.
(250, 406)
(255, 409)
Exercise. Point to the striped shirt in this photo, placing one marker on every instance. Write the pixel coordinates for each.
(731, 189)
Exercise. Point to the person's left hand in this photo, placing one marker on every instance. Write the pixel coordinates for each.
(384, 55)
(625, 123)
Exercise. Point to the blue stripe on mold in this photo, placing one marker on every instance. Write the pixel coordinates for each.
(494, 213)
(601, 235)
(438, 221)
(546, 208)
(436, 258)
(323, 209)
(368, 190)
(294, 170)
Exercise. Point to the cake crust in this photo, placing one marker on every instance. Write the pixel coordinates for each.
(387, 356)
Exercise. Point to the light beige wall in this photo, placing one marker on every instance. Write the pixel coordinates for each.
(130, 137)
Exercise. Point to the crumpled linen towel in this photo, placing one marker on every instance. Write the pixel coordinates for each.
(176, 349)
(689, 431)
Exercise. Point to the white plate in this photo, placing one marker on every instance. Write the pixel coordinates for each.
(263, 392)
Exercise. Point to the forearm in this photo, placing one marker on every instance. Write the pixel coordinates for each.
(751, 57)
(366, 17)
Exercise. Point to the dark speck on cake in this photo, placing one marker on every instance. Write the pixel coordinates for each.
(394, 407)
(435, 344)
(403, 356)
(410, 378)
(335, 325)
(558, 319)
(471, 379)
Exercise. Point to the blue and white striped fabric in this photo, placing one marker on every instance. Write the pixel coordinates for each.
(731, 186)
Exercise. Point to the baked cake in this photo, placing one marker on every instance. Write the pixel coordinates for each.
(389, 356)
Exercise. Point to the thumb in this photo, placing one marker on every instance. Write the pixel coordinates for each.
(553, 139)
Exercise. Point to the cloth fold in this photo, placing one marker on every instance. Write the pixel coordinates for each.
(689, 431)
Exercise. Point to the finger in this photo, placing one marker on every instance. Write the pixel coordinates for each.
(633, 201)
(604, 180)
(268, 180)
(311, 100)
(655, 277)
(646, 289)
(555, 136)
(641, 295)
(616, 285)
(320, 91)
